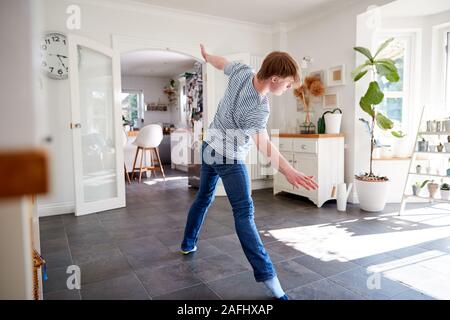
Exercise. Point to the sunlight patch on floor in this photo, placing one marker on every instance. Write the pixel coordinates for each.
(329, 242)
(156, 180)
(426, 272)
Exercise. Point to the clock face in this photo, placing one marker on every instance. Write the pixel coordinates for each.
(54, 56)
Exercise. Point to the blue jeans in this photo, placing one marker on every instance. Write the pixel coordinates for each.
(237, 186)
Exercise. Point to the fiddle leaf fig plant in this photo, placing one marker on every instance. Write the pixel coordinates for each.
(374, 96)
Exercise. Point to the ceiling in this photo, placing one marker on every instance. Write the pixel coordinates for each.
(155, 63)
(256, 11)
(415, 8)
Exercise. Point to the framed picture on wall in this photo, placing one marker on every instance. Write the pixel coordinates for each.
(330, 100)
(320, 74)
(336, 76)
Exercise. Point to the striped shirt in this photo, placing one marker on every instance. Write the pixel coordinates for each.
(242, 112)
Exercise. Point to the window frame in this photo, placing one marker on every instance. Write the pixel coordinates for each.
(140, 102)
(408, 74)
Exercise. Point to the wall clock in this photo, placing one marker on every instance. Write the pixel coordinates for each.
(54, 55)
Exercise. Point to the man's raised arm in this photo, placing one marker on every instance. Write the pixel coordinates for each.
(217, 61)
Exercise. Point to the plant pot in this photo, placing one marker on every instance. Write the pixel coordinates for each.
(372, 195)
(416, 190)
(333, 123)
(422, 146)
(445, 194)
(447, 125)
(432, 189)
(447, 147)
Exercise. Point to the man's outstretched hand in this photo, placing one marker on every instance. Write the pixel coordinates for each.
(297, 179)
(203, 51)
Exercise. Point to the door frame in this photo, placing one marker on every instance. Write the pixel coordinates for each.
(82, 208)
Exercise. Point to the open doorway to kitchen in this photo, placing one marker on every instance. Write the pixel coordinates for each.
(164, 88)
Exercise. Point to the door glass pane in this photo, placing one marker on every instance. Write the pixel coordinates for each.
(97, 125)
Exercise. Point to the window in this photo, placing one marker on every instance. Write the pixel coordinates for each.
(132, 108)
(395, 104)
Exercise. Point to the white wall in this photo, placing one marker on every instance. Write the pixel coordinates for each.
(330, 39)
(100, 20)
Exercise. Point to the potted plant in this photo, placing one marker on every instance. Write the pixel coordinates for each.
(433, 187)
(330, 121)
(447, 144)
(418, 168)
(418, 186)
(422, 145)
(333, 121)
(372, 190)
(445, 191)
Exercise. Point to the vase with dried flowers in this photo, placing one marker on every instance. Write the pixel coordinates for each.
(312, 87)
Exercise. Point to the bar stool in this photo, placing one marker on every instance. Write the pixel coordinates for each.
(148, 139)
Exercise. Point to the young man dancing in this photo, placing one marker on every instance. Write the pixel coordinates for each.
(241, 118)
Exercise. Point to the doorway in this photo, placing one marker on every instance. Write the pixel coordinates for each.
(165, 88)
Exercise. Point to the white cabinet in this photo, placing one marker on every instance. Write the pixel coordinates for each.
(320, 156)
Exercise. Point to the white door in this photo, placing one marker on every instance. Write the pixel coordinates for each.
(96, 122)
(220, 85)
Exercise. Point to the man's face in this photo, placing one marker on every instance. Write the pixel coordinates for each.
(278, 85)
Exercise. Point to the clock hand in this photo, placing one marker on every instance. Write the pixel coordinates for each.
(61, 61)
(58, 55)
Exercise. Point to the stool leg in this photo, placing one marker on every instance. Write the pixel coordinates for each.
(151, 161)
(140, 168)
(160, 164)
(134, 163)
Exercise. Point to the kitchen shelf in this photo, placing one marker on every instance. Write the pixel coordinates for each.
(426, 198)
(446, 133)
(429, 175)
(429, 152)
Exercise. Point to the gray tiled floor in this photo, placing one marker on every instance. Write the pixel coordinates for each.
(132, 252)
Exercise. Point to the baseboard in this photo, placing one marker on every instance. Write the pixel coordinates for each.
(54, 209)
(262, 184)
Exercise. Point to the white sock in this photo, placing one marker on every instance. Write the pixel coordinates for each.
(275, 287)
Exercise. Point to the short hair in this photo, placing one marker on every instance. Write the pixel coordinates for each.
(279, 64)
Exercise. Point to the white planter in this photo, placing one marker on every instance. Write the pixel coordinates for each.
(445, 194)
(372, 196)
(333, 122)
(447, 147)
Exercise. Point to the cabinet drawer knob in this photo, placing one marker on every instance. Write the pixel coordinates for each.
(303, 147)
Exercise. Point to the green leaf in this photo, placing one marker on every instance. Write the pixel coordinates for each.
(360, 75)
(359, 69)
(365, 52)
(384, 122)
(373, 95)
(424, 183)
(387, 70)
(390, 61)
(367, 107)
(383, 46)
(398, 134)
